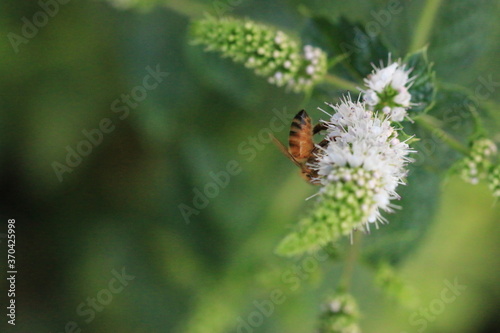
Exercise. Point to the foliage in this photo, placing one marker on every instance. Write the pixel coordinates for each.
(119, 207)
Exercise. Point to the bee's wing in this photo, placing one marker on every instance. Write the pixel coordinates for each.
(285, 152)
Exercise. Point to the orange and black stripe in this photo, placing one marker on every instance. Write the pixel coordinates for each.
(300, 140)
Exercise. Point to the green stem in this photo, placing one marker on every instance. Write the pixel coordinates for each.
(424, 25)
(432, 124)
(489, 104)
(336, 60)
(352, 257)
(307, 98)
(479, 130)
(340, 82)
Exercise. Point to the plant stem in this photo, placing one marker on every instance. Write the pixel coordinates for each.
(352, 257)
(488, 104)
(340, 82)
(307, 98)
(424, 25)
(432, 124)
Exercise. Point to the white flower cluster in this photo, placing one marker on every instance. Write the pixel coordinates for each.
(494, 181)
(315, 65)
(388, 90)
(309, 69)
(359, 170)
(269, 52)
(340, 315)
(364, 159)
(296, 73)
(477, 165)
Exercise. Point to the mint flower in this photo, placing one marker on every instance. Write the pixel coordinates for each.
(494, 180)
(359, 171)
(269, 52)
(477, 165)
(388, 90)
(340, 315)
(364, 151)
(393, 285)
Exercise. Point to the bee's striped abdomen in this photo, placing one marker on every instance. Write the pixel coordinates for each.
(300, 141)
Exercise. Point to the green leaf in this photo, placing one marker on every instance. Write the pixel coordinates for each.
(423, 89)
(464, 32)
(308, 238)
(393, 285)
(346, 37)
(407, 226)
(420, 197)
(451, 113)
(136, 4)
(458, 108)
(359, 10)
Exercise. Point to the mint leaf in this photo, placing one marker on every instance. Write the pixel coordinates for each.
(465, 31)
(406, 229)
(346, 37)
(423, 89)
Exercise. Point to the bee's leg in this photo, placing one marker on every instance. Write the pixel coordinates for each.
(323, 143)
(318, 147)
(319, 127)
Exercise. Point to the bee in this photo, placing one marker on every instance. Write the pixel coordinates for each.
(301, 148)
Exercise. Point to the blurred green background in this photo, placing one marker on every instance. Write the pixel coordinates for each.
(119, 208)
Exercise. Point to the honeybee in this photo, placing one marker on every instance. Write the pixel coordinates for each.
(301, 148)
